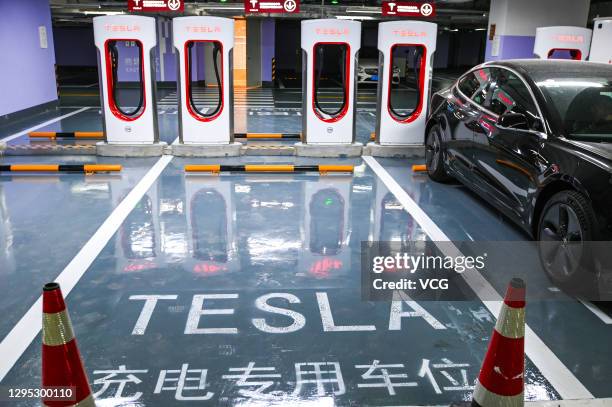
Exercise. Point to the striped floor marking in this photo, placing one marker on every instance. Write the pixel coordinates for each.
(557, 374)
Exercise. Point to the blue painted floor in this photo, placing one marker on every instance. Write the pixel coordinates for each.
(239, 290)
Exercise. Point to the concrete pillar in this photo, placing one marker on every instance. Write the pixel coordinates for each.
(513, 23)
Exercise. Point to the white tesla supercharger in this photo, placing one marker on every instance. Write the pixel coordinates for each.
(562, 42)
(601, 43)
(125, 45)
(205, 49)
(402, 112)
(329, 57)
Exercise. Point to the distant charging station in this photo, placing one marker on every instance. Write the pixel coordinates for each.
(403, 46)
(562, 43)
(601, 48)
(205, 50)
(125, 45)
(329, 55)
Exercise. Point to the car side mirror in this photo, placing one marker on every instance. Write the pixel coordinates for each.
(513, 120)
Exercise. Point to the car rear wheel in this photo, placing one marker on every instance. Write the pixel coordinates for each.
(565, 225)
(434, 158)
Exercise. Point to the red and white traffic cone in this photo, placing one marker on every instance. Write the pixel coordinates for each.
(501, 379)
(61, 361)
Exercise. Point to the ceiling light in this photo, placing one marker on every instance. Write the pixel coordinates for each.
(221, 8)
(103, 13)
(364, 11)
(354, 18)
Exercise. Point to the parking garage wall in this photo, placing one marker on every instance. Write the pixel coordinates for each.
(27, 67)
(516, 22)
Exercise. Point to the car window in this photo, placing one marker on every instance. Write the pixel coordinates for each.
(484, 86)
(583, 103)
(472, 82)
(511, 94)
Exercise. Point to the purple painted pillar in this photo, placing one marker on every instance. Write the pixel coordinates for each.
(27, 71)
(511, 47)
(267, 48)
(165, 57)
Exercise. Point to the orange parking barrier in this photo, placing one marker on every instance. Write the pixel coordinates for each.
(203, 168)
(43, 134)
(501, 380)
(336, 168)
(419, 168)
(98, 135)
(269, 168)
(62, 365)
(94, 135)
(83, 168)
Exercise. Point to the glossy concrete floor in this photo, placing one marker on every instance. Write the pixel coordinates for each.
(241, 290)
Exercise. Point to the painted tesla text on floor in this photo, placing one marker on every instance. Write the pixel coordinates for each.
(197, 311)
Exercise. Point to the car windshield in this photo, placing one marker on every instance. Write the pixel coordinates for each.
(584, 105)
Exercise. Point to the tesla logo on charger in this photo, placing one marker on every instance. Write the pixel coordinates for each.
(271, 6)
(332, 31)
(122, 28)
(156, 6)
(408, 33)
(576, 39)
(202, 29)
(408, 9)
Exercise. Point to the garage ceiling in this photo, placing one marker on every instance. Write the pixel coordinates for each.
(451, 14)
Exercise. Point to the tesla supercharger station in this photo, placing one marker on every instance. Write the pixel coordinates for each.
(400, 118)
(125, 46)
(562, 43)
(601, 48)
(329, 57)
(205, 50)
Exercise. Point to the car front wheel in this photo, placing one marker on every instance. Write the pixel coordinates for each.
(434, 158)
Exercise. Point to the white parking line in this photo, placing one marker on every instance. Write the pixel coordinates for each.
(557, 374)
(38, 126)
(598, 312)
(24, 332)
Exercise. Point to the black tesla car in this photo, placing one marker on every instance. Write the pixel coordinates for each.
(533, 138)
